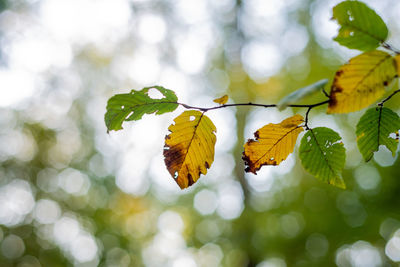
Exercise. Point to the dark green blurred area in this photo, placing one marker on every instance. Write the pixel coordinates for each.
(71, 195)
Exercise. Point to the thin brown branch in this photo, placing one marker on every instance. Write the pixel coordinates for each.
(389, 97)
(391, 48)
(254, 105)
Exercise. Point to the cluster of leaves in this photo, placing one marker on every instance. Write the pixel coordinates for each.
(189, 148)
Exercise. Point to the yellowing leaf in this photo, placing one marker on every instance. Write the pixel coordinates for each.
(272, 144)
(222, 100)
(397, 60)
(362, 81)
(189, 148)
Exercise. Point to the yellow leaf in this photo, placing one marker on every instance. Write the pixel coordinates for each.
(397, 59)
(189, 148)
(273, 143)
(362, 81)
(222, 100)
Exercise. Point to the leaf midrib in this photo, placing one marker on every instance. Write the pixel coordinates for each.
(371, 70)
(131, 108)
(322, 153)
(280, 139)
(361, 30)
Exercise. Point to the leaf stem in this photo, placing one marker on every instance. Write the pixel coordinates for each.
(389, 97)
(306, 120)
(391, 48)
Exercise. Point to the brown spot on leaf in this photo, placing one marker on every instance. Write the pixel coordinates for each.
(338, 73)
(190, 179)
(182, 151)
(250, 166)
(333, 100)
(173, 158)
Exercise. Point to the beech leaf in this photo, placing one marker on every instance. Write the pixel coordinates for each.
(222, 100)
(132, 106)
(189, 148)
(272, 143)
(378, 126)
(322, 154)
(361, 28)
(301, 93)
(361, 82)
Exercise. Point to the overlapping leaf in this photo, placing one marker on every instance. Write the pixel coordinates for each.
(323, 155)
(132, 106)
(221, 100)
(272, 143)
(378, 126)
(301, 93)
(189, 148)
(362, 81)
(361, 28)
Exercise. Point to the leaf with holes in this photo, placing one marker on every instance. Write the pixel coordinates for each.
(301, 93)
(361, 28)
(361, 82)
(222, 100)
(132, 106)
(322, 154)
(272, 143)
(378, 126)
(189, 148)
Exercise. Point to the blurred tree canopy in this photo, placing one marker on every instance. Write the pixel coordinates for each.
(73, 195)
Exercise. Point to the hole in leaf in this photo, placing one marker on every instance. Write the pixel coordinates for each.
(176, 175)
(351, 18)
(122, 107)
(308, 138)
(393, 136)
(155, 94)
(192, 118)
(272, 158)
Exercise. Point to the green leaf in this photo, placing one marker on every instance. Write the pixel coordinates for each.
(323, 155)
(361, 28)
(301, 93)
(132, 106)
(378, 126)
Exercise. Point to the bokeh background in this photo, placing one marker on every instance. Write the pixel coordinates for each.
(73, 195)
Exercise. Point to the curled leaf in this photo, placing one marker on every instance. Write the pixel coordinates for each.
(189, 148)
(132, 106)
(222, 100)
(301, 93)
(361, 82)
(272, 143)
